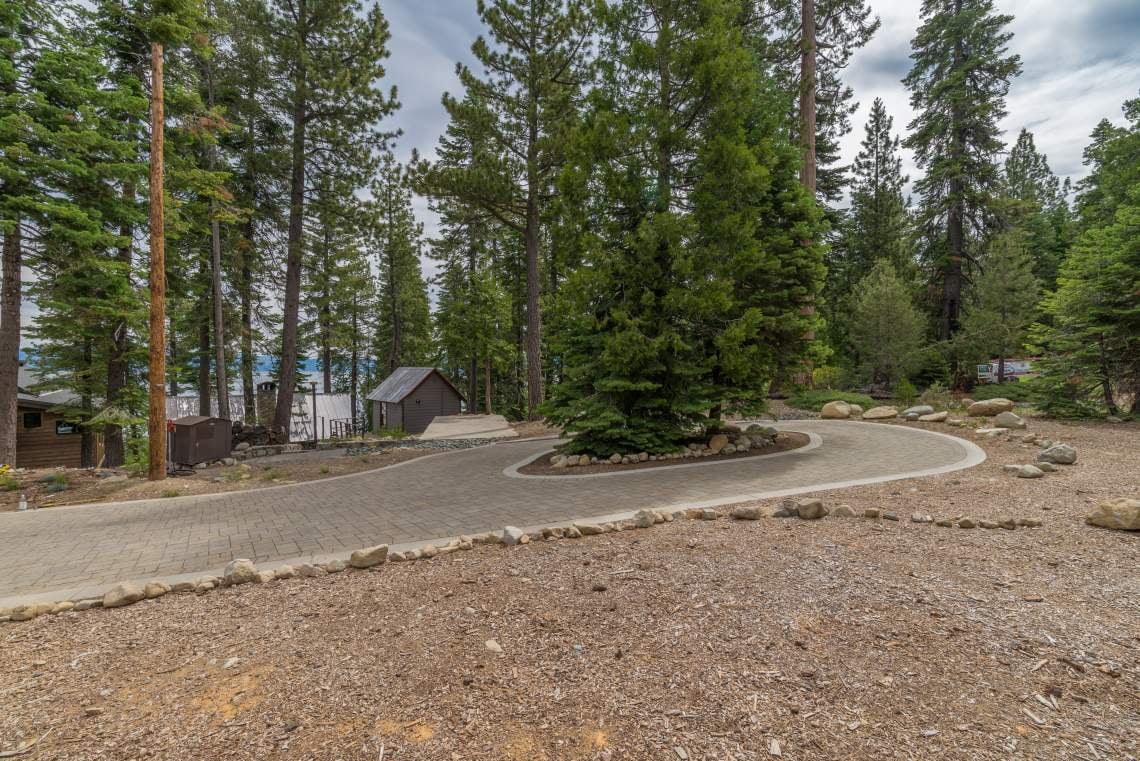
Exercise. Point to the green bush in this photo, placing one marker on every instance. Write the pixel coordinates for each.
(826, 377)
(905, 393)
(8, 482)
(815, 399)
(1016, 391)
(930, 367)
(937, 396)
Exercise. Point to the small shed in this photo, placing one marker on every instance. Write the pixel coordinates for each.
(411, 397)
(45, 439)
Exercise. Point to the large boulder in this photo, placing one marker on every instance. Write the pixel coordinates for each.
(1008, 420)
(920, 409)
(126, 593)
(1058, 454)
(511, 535)
(837, 410)
(1122, 514)
(239, 571)
(881, 413)
(988, 407)
(934, 417)
(369, 556)
(810, 509)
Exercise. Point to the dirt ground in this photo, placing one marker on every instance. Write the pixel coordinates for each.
(542, 466)
(84, 486)
(844, 638)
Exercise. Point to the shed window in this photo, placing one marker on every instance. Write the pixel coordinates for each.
(63, 428)
(33, 419)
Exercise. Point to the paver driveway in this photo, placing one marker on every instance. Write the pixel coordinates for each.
(69, 552)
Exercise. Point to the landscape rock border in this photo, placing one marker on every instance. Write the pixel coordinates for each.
(513, 471)
(242, 571)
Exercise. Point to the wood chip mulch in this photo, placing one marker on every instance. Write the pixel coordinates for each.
(831, 639)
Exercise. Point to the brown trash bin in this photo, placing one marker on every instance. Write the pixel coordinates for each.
(200, 439)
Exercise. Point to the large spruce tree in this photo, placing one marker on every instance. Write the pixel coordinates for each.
(692, 225)
(958, 85)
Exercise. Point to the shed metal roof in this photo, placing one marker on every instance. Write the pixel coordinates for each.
(403, 381)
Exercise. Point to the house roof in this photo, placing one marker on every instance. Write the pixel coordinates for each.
(403, 381)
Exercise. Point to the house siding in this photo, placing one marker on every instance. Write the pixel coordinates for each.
(42, 447)
(432, 398)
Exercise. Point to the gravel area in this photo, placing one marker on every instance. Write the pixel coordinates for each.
(843, 638)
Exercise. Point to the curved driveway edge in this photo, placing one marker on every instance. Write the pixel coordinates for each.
(68, 553)
(512, 471)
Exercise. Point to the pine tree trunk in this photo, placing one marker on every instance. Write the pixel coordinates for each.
(216, 273)
(955, 218)
(1106, 379)
(86, 436)
(354, 361)
(487, 385)
(247, 358)
(284, 412)
(204, 406)
(473, 385)
(173, 362)
(326, 321)
(10, 342)
(114, 448)
(156, 412)
(533, 318)
(807, 95)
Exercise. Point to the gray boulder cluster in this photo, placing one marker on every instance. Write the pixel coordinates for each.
(729, 440)
(1051, 455)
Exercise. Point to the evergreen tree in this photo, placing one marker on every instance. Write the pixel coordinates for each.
(257, 148)
(958, 84)
(1004, 301)
(1037, 203)
(1093, 342)
(403, 336)
(879, 224)
(334, 110)
(524, 104)
(696, 271)
(63, 157)
(886, 328)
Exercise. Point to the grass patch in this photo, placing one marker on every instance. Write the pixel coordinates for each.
(392, 433)
(167, 493)
(233, 475)
(270, 473)
(815, 399)
(9, 483)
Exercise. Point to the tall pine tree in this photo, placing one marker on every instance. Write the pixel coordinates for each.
(524, 103)
(958, 85)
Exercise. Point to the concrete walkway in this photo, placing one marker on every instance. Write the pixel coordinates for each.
(73, 552)
(469, 427)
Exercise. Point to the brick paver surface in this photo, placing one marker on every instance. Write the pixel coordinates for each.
(71, 550)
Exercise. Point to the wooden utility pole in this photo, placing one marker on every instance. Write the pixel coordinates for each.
(156, 418)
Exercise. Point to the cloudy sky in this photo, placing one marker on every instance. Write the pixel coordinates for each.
(1080, 61)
